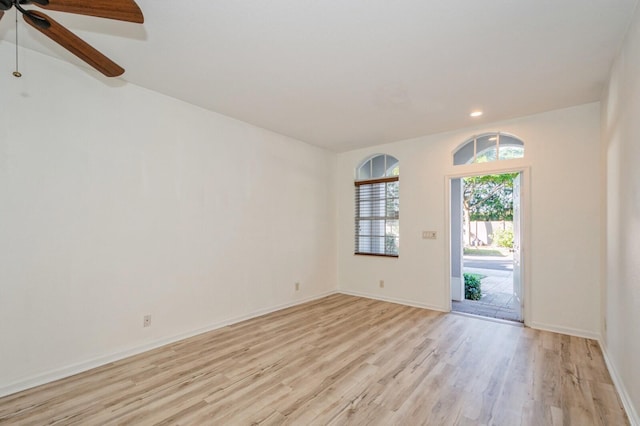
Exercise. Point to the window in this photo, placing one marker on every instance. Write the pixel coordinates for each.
(489, 147)
(377, 202)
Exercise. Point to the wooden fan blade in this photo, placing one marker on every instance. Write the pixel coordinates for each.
(121, 10)
(73, 43)
(1, 14)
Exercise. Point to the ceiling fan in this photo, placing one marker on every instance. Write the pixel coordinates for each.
(121, 10)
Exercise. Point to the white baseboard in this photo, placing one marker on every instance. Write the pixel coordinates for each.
(565, 330)
(393, 300)
(617, 382)
(627, 403)
(70, 370)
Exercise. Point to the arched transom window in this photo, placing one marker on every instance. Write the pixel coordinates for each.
(378, 166)
(377, 202)
(488, 147)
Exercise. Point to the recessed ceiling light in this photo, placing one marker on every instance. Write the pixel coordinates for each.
(476, 114)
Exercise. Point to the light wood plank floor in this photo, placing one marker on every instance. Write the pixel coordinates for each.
(341, 360)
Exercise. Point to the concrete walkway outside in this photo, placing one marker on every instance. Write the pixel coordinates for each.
(497, 289)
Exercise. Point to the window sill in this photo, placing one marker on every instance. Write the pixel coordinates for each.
(376, 255)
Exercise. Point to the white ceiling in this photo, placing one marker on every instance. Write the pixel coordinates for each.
(344, 74)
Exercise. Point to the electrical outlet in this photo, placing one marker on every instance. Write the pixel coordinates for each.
(146, 322)
(381, 283)
(297, 286)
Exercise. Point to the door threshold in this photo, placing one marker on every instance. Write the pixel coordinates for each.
(498, 320)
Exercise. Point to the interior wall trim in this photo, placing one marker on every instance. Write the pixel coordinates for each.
(587, 334)
(394, 300)
(627, 402)
(70, 370)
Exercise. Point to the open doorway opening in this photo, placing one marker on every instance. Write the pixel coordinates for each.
(485, 246)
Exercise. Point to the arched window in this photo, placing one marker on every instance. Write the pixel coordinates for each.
(489, 147)
(378, 166)
(377, 200)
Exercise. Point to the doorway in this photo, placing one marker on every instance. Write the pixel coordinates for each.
(486, 239)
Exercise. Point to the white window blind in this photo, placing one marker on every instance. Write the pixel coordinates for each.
(377, 216)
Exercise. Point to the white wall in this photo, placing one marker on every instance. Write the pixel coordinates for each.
(621, 139)
(563, 152)
(116, 202)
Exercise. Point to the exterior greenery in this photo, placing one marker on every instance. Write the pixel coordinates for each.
(503, 238)
(489, 197)
(472, 290)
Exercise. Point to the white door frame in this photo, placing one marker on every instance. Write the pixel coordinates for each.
(525, 231)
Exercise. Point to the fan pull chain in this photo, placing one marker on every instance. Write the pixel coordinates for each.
(17, 73)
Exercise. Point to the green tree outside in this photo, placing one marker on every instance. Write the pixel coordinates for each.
(488, 198)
